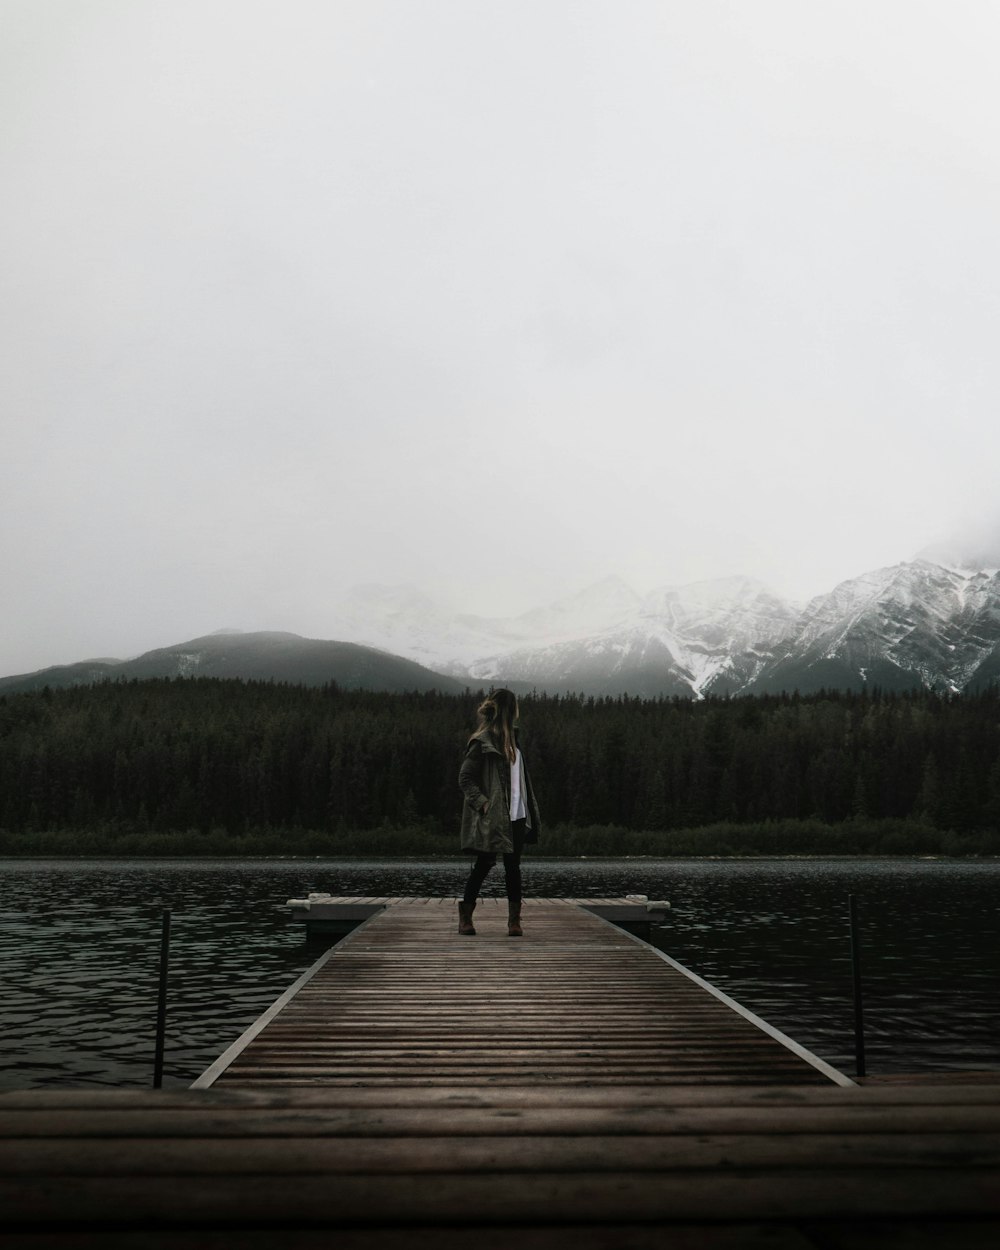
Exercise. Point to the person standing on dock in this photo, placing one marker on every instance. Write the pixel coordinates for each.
(499, 814)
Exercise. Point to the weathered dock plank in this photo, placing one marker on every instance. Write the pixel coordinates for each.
(811, 1165)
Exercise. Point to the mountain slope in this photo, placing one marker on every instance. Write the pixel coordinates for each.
(915, 624)
(266, 656)
(678, 640)
(912, 624)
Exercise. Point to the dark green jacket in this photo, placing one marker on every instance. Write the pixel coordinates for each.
(484, 778)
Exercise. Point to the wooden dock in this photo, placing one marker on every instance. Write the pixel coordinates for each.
(405, 1000)
(572, 1089)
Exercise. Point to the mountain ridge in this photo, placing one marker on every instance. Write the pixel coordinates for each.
(918, 623)
(263, 655)
(915, 623)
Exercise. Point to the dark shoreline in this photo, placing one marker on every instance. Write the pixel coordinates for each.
(763, 839)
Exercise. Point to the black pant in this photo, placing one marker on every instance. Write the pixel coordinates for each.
(485, 860)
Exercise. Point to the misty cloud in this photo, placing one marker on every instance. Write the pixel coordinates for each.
(495, 299)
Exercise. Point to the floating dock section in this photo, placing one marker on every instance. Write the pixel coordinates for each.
(327, 915)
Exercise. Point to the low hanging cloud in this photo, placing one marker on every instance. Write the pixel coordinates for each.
(493, 299)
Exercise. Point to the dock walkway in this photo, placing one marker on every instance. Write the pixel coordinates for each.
(570, 1090)
(405, 1000)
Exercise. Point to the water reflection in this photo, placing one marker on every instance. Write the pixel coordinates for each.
(79, 943)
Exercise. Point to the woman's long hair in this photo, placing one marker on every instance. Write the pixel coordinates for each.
(497, 713)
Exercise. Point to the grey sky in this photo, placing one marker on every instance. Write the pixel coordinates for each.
(494, 298)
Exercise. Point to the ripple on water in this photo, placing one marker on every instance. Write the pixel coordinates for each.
(79, 950)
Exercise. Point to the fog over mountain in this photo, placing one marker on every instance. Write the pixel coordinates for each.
(974, 548)
(492, 299)
(917, 623)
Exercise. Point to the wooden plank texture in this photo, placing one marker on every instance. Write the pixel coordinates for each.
(807, 1166)
(405, 1000)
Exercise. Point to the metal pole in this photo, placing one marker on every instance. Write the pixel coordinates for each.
(161, 1006)
(859, 1009)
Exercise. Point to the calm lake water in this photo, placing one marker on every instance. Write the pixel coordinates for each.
(79, 950)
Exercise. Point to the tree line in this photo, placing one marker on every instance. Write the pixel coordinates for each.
(216, 760)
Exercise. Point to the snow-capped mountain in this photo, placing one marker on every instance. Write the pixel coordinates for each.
(678, 640)
(728, 629)
(607, 638)
(932, 622)
(913, 624)
(918, 623)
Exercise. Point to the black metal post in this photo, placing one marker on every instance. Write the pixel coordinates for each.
(859, 1009)
(161, 1007)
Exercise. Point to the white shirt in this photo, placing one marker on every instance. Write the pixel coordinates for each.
(517, 809)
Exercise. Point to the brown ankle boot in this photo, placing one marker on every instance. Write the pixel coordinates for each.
(514, 920)
(465, 925)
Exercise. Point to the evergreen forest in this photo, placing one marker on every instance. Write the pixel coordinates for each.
(202, 766)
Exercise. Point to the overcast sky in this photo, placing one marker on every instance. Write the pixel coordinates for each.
(495, 298)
